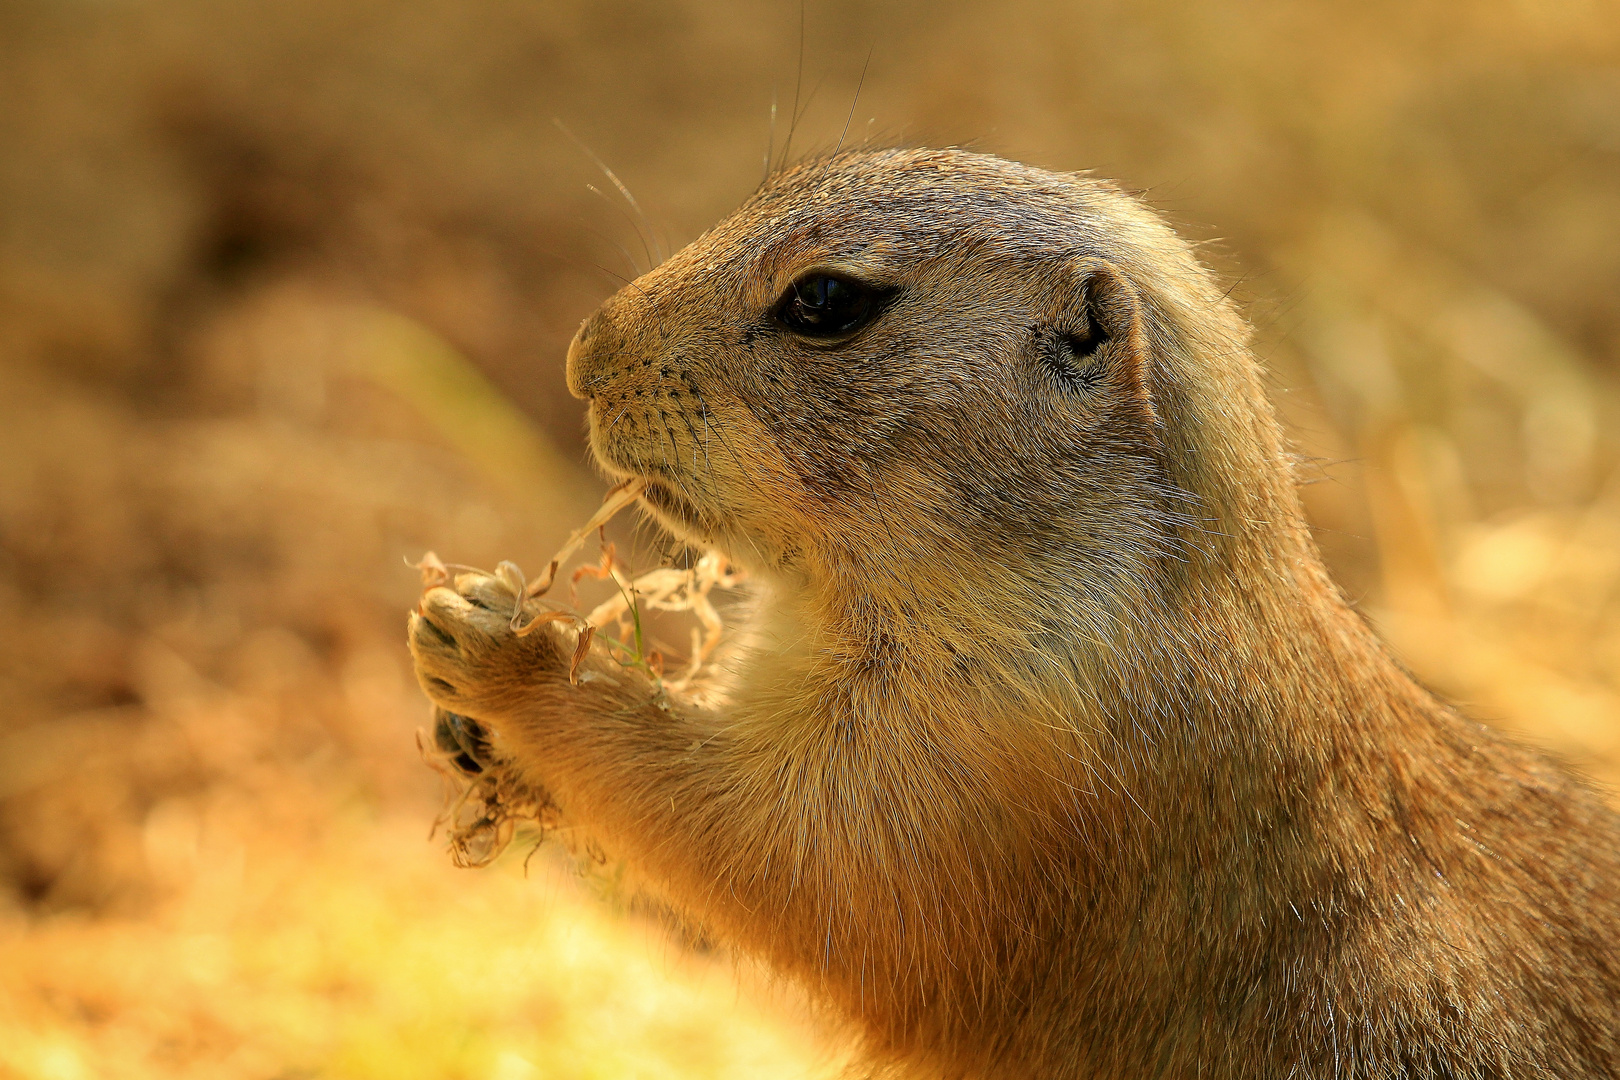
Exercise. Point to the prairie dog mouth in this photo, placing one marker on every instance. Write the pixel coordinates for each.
(660, 491)
(664, 498)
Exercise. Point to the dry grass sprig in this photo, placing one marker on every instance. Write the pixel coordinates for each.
(486, 802)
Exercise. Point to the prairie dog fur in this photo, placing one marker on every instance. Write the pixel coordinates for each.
(1057, 753)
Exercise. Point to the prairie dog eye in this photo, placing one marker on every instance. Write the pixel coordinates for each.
(821, 305)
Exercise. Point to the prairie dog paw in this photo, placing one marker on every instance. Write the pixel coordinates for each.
(468, 658)
(463, 742)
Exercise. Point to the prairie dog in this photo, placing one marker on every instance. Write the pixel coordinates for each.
(1057, 753)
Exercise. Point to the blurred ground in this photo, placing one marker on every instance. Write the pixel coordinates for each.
(284, 293)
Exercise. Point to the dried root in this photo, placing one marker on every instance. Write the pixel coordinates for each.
(484, 807)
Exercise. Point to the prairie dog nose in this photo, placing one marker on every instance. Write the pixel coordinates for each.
(590, 355)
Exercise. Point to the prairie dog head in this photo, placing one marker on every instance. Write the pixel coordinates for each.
(927, 359)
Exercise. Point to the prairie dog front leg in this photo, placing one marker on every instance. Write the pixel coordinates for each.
(742, 822)
(615, 754)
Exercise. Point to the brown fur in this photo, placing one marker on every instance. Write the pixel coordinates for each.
(1056, 753)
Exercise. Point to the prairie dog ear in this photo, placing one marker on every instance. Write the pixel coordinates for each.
(1092, 338)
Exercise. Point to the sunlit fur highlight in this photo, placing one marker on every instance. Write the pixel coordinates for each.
(1055, 753)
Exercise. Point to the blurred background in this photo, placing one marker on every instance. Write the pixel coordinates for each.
(284, 294)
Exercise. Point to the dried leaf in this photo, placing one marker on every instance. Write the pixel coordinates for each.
(511, 576)
(542, 584)
(582, 649)
(524, 629)
(434, 572)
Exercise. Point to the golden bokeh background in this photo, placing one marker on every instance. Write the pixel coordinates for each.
(284, 294)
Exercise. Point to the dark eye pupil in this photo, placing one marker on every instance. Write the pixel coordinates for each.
(825, 306)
